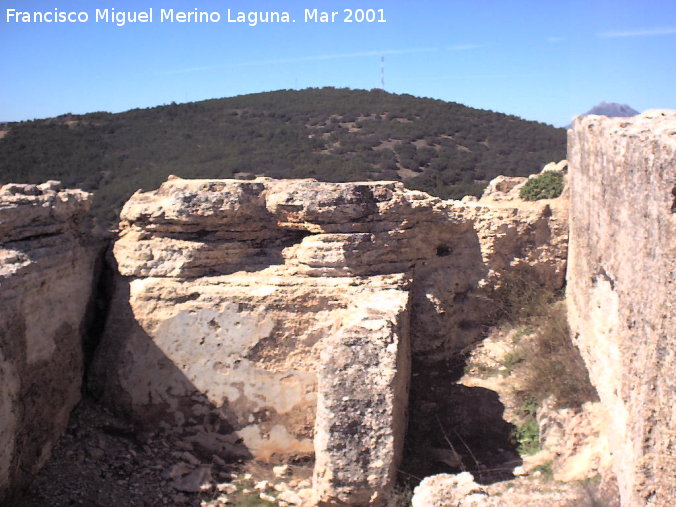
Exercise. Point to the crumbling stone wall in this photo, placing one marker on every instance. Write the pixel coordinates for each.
(46, 270)
(621, 275)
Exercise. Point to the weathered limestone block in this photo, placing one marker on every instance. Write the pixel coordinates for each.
(451, 300)
(34, 210)
(362, 401)
(445, 490)
(46, 269)
(233, 357)
(236, 304)
(504, 188)
(505, 237)
(322, 228)
(621, 275)
(221, 314)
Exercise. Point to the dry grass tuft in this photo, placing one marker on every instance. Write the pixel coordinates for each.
(553, 365)
(547, 360)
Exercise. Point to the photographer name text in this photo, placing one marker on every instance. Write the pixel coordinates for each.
(122, 18)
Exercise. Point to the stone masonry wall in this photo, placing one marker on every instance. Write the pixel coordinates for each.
(621, 274)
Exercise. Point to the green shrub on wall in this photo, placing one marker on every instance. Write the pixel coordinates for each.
(547, 185)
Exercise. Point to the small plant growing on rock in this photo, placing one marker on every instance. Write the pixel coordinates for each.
(547, 185)
(546, 469)
(511, 360)
(527, 434)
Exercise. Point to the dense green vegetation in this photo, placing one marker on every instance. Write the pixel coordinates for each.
(444, 148)
(547, 185)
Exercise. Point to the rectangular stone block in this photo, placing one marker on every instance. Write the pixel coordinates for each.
(362, 402)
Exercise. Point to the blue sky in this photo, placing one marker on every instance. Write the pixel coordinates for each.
(541, 60)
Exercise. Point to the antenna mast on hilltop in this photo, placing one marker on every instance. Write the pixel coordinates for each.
(382, 73)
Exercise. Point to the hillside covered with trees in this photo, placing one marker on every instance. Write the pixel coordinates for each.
(443, 148)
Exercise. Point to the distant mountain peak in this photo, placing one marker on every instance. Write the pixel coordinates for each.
(612, 109)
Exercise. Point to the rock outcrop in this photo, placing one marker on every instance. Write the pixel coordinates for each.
(507, 188)
(621, 277)
(502, 237)
(575, 442)
(242, 309)
(445, 490)
(46, 271)
(234, 297)
(272, 318)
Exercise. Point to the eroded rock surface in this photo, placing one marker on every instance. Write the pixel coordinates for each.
(230, 295)
(620, 289)
(499, 239)
(242, 308)
(364, 369)
(507, 188)
(575, 441)
(445, 490)
(46, 270)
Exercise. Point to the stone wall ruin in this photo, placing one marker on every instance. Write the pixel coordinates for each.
(277, 319)
(268, 319)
